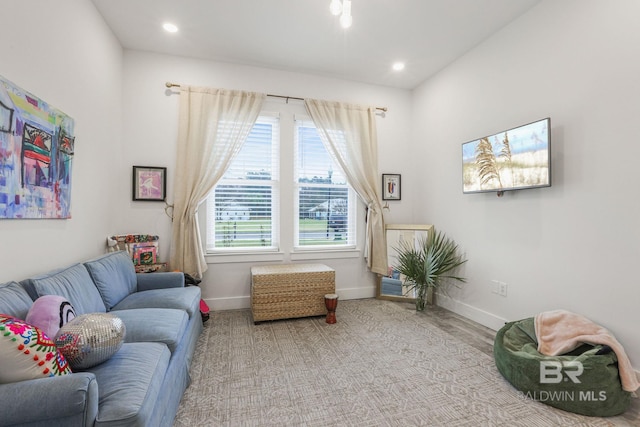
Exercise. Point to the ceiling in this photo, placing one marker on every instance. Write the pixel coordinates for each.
(302, 35)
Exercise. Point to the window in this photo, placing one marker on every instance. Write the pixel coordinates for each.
(325, 202)
(242, 209)
(314, 202)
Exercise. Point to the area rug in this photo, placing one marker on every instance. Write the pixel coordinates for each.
(381, 364)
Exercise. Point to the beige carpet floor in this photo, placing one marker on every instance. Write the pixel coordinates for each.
(381, 365)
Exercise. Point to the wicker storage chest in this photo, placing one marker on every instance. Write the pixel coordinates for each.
(291, 290)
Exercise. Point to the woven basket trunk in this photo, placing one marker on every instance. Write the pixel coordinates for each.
(288, 291)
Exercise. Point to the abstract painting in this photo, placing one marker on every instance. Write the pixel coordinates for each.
(36, 152)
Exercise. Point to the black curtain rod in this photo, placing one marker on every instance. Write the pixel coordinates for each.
(170, 85)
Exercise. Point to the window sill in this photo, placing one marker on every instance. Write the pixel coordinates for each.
(299, 255)
(224, 258)
(324, 254)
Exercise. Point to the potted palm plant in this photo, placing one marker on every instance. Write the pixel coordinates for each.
(427, 263)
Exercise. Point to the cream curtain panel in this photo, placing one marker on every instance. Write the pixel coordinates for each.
(349, 135)
(213, 125)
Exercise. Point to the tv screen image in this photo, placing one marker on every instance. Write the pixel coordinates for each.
(514, 159)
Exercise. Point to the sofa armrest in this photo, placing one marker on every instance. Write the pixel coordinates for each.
(65, 400)
(160, 280)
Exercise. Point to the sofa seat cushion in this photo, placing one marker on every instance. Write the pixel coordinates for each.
(187, 299)
(114, 275)
(163, 325)
(73, 283)
(129, 384)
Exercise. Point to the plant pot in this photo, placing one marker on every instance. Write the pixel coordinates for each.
(431, 295)
(426, 296)
(424, 264)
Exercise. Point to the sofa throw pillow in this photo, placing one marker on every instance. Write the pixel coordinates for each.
(90, 339)
(50, 313)
(27, 353)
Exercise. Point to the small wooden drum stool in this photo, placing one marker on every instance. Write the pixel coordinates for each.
(331, 302)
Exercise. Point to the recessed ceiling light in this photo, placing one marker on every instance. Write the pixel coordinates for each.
(169, 27)
(398, 66)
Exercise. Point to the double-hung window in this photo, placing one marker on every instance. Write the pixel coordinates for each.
(325, 203)
(246, 208)
(242, 209)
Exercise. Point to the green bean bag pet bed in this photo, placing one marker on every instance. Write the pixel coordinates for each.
(584, 381)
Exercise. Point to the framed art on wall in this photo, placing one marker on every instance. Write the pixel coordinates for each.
(390, 186)
(37, 146)
(149, 183)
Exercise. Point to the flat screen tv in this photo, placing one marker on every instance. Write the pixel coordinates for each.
(513, 159)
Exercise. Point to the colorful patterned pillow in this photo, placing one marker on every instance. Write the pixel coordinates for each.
(27, 353)
(50, 313)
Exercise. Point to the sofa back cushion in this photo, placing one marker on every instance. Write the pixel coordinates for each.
(114, 275)
(73, 283)
(14, 300)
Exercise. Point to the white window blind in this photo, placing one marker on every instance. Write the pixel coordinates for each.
(325, 203)
(242, 209)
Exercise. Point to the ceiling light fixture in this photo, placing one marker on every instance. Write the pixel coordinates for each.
(345, 19)
(342, 8)
(335, 7)
(398, 66)
(169, 27)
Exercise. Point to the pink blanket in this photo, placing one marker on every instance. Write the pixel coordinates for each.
(561, 331)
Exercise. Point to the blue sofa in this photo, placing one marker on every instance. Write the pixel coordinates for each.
(143, 383)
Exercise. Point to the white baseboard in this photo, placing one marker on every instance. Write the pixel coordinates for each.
(357, 293)
(243, 302)
(233, 303)
(470, 312)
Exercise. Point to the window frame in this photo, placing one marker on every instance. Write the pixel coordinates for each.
(274, 120)
(300, 120)
(286, 251)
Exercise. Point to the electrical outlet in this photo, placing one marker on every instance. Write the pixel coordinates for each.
(495, 287)
(502, 289)
(498, 287)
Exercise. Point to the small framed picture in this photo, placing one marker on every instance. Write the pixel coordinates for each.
(390, 186)
(149, 183)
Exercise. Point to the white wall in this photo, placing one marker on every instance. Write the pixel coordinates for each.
(63, 53)
(573, 245)
(150, 133)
